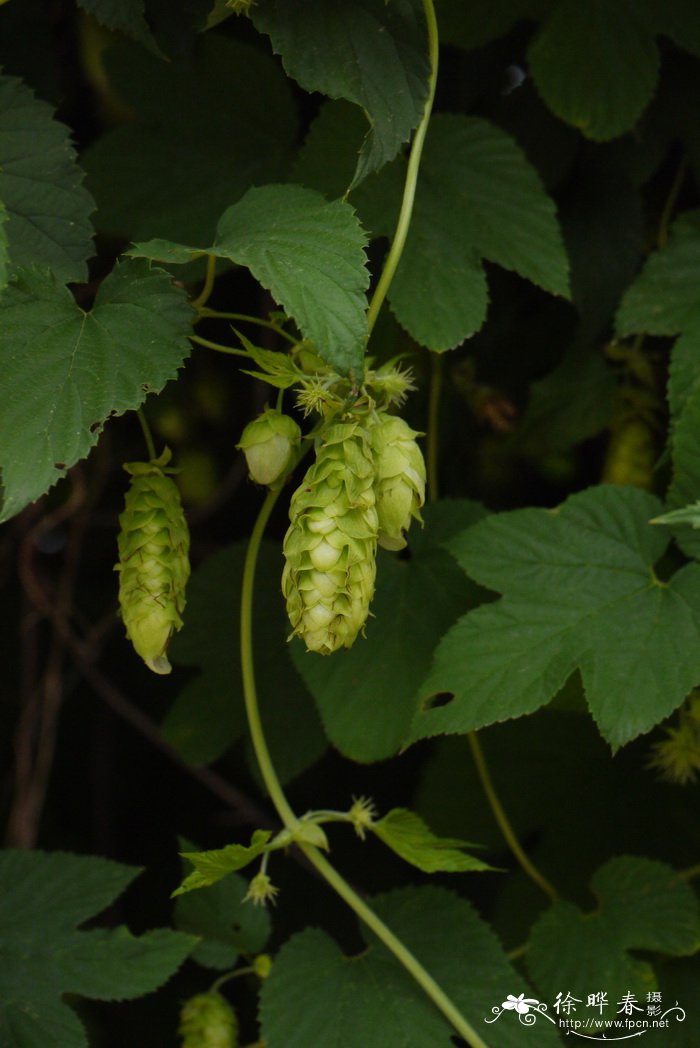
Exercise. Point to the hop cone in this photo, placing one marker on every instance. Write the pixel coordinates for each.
(400, 483)
(208, 1021)
(269, 444)
(153, 564)
(331, 544)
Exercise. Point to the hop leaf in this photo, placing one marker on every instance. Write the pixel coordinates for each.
(331, 544)
(269, 443)
(153, 561)
(400, 480)
(208, 1021)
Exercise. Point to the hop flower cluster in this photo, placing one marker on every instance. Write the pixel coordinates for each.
(208, 1021)
(677, 755)
(153, 561)
(330, 547)
(269, 444)
(365, 487)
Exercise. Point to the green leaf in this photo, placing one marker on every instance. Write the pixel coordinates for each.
(211, 866)
(66, 371)
(377, 680)
(686, 515)
(477, 197)
(685, 484)
(684, 370)
(664, 299)
(43, 898)
(227, 925)
(580, 593)
(370, 1000)
(406, 834)
(371, 53)
(124, 16)
(308, 253)
(641, 905)
(206, 128)
(40, 184)
(596, 64)
(208, 714)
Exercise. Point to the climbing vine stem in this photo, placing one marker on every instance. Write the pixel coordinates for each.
(409, 192)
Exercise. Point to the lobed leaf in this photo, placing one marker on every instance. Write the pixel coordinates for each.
(370, 1000)
(48, 208)
(43, 897)
(371, 53)
(580, 593)
(66, 371)
(477, 197)
(641, 905)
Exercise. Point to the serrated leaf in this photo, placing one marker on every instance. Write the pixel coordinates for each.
(664, 299)
(208, 714)
(307, 252)
(641, 905)
(477, 197)
(43, 898)
(376, 681)
(370, 1000)
(41, 186)
(580, 594)
(226, 925)
(211, 866)
(206, 128)
(66, 371)
(123, 16)
(684, 370)
(685, 456)
(410, 838)
(596, 64)
(371, 53)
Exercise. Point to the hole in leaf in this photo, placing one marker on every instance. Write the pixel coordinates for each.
(95, 426)
(442, 698)
(59, 465)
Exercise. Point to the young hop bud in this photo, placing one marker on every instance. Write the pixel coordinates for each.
(208, 1021)
(331, 544)
(153, 563)
(269, 444)
(400, 483)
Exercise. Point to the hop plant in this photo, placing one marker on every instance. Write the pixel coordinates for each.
(269, 444)
(153, 562)
(331, 544)
(208, 1021)
(400, 479)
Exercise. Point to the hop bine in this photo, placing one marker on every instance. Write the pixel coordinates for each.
(331, 544)
(153, 561)
(400, 478)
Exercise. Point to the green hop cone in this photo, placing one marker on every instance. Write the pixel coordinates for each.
(270, 443)
(331, 544)
(400, 483)
(153, 563)
(208, 1021)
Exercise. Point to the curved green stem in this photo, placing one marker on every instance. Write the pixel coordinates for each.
(209, 279)
(409, 191)
(290, 820)
(147, 435)
(670, 203)
(503, 821)
(218, 346)
(402, 954)
(246, 318)
(690, 873)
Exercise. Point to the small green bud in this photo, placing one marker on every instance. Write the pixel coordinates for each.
(153, 561)
(208, 1021)
(400, 483)
(269, 444)
(331, 544)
